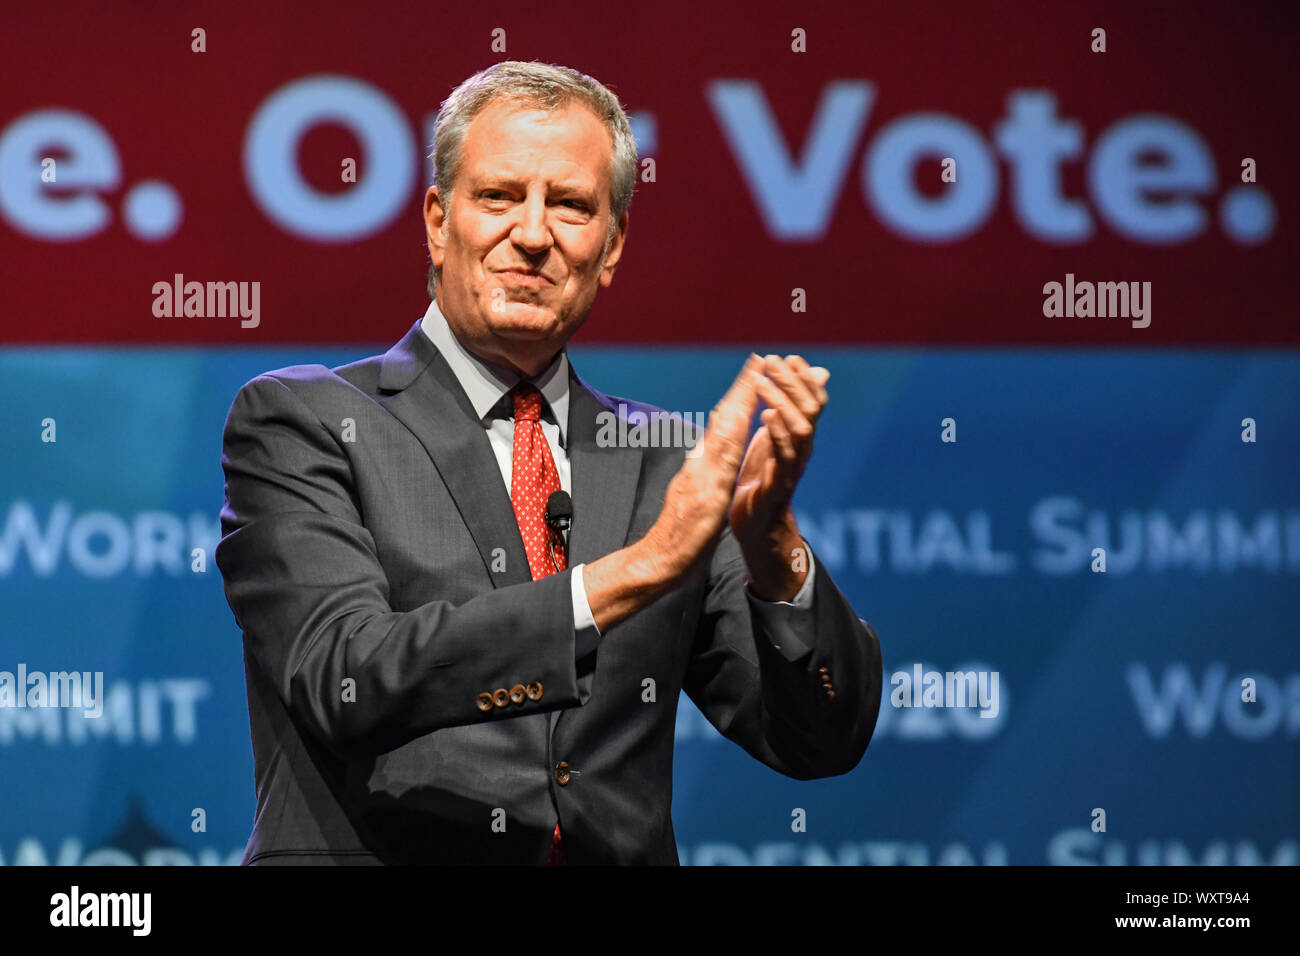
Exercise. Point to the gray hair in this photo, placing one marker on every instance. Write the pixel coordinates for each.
(545, 85)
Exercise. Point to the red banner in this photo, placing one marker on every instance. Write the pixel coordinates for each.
(925, 173)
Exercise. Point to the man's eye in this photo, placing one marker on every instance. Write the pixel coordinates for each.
(576, 204)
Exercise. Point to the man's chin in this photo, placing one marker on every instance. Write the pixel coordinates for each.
(522, 320)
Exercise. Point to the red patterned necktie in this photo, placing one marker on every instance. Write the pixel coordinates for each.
(533, 479)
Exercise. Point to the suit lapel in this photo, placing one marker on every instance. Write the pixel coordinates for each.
(429, 401)
(604, 480)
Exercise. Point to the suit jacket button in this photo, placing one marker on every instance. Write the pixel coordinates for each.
(517, 694)
(562, 774)
(501, 697)
(829, 692)
(485, 701)
(534, 690)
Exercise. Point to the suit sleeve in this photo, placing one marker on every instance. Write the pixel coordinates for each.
(788, 624)
(306, 585)
(806, 718)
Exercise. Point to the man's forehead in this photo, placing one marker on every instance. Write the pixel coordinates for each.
(512, 107)
(506, 133)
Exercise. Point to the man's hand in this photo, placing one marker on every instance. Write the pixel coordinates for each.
(761, 519)
(699, 496)
(696, 504)
(722, 480)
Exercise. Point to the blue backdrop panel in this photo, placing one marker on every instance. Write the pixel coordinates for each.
(1119, 691)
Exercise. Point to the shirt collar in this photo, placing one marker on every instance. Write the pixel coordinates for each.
(485, 383)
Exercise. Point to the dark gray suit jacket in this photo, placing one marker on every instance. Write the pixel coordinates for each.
(363, 562)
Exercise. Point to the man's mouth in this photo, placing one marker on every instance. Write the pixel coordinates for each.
(528, 280)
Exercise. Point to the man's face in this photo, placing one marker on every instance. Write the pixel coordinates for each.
(520, 246)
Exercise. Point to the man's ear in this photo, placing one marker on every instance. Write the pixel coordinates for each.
(615, 252)
(435, 221)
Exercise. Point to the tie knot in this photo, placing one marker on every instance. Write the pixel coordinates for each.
(528, 402)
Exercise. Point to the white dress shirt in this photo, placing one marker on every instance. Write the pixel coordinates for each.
(788, 624)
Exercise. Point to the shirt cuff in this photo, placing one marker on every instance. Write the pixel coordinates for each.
(787, 624)
(585, 633)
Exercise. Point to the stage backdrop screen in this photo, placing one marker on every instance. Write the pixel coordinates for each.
(1047, 252)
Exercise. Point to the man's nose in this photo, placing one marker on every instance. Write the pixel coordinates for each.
(531, 232)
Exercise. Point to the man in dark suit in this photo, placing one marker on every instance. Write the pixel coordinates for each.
(435, 674)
